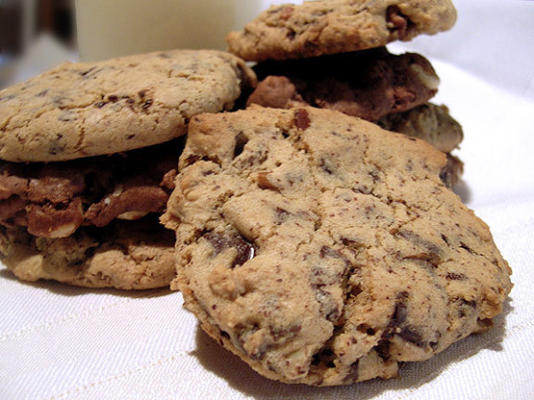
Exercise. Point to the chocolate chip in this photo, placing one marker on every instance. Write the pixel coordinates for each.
(400, 313)
(455, 277)
(445, 177)
(90, 252)
(8, 97)
(325, 167)
(351, 242)
(466, 247)
(245, 252)
(245, 249)
(147, 104)
(432, 250)
(485, 323)
(84, 73)
(329, 252)
(55, 148)
(375, 176)
(411, 336)
(325, 356)
(355, 290)
(291, 34)
(470, 303)
(281, 215)
(278, 333)
(431, 258)
(382, 349)
(352, 375)
(113, 98)
(240, 141)
(302, 120)
(265, 183)
(364, 328)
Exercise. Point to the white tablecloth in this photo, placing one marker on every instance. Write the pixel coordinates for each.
(58, 342)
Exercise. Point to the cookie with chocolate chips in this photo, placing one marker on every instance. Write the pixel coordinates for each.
(324, 250)
(123, 254)
(87, 109)
(88, 156)
(392, 90)
(322, 27)
(367, 84)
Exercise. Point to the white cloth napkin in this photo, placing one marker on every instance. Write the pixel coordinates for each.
(58, 342)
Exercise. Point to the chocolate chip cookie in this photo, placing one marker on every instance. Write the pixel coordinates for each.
(337, 26)
(123, 254)
(88, 156)
(367, 84)
(392, 90)
(85, 109)
(90, 222)
(324, 250)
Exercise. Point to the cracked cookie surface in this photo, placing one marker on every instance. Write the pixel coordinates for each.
(324, 250)
(337, 26)
(85, 109)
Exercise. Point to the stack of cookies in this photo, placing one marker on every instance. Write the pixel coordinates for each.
(89, 153)
(316, 246)
(331, 54)
(309, 241)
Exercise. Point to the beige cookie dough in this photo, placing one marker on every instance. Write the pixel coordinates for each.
(85, 109)
(324, 250)
(125, 255)
(336, 26)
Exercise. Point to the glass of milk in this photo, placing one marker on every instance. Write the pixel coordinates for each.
(109, 28)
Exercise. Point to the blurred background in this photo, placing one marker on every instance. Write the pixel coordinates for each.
(34, 35)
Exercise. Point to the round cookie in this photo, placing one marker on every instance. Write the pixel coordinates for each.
(123, 255)
(366, 84)
(337, 26)
(324, 250)
(85, 109)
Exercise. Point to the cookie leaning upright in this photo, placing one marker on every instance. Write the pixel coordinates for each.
(88, 157)
(336, 26)
(324, 250)
(85, 109)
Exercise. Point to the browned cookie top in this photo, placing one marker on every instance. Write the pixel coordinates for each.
(337, 26)
(324, 250)
(85, 109)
